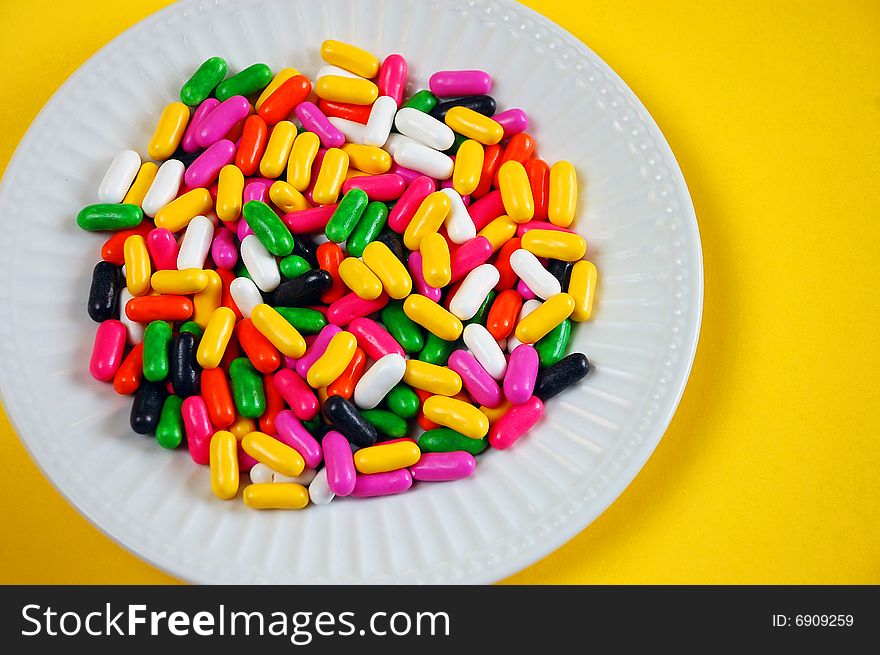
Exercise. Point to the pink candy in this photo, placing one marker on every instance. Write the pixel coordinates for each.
(486, 209)
(374, 339)
(392, 78)
(297, 394)
(513, 121)
(198, 428)
(317, 349)
(407, 174)
(384, 187)
(189, 143)
(515, 423)
(339, 462)
(216, 125)
(442, 467)
(307, 221)
(343, 311)
(163, 249)
(108, 350)
(295, 435)
(223, 249)
(414, 264)
(206, 168)
(522, 372)
(460, 83)
(314, 120)
(477, 382)
(523, 289)
(468, 256)
(381, 484)
(405, 208)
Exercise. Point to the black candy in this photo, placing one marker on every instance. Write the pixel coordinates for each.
(147, 406)
(104, 292)
(305, 248)
(564, 373)
(349, 422)
(485, 105)
(394, 243)
(303, 290)
(561, 270)
(185, 371)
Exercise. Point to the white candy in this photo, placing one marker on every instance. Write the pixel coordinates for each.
(528, 307)
(423, 159)
(424, 128)
(330, 69)
(394, 141)
(353, 131)
(195, 244)
(381, 377)
(260, 263)
(164, 188)
(303, 478)
(319, 490)
(532, 272)
(485, 349)
(119, 176)
(260, 473)
(134, 329)
(459, 225)
(245, 295)
(473, 291)
(380, 121)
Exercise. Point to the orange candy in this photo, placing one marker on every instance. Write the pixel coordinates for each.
(263, 355)
(217, 396)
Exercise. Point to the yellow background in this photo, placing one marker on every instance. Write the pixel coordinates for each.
(770, 471)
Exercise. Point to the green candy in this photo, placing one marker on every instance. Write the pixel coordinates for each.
(446, 440)
(268, 227)
(368, 228)
(193, 328)
(247, 388)
(459, 139)
(312, 425)
(107, 216)
(347, 214)
(405, 331)
(403, 401)
(305, 320)
(386, 422)
(483, 311)
(157, 338)
(197, 88)
(293, 266)
(169, 430)
(252, 79)
(422, 100)
(551, 348)
(436, 350)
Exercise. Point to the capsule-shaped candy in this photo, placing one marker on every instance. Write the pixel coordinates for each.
(451, 83)
(427, 219)
(516, 191)
(200, 85)
(374, 339)
(481, 387)
(293, 433)
(468, 165)
(164, 187)
(470, 255)
(250, 80)
(395, 279)
(185, 371)
(297, 394)
(527, 308)
(360, 279)
(331, 176)
(278, 331)
(433, 317)
(286, 198)
(351, 58)
(515, 423)
(499, 231)
(305, 320)
(346, 216)
(552, 347)
(554, 379)
(346, 418)
(544, 318)
(319, 489)
(436, 267)
(268, 228)
(420, 286)
(119, 177)
(128, 376)
(163, 249)
(446, 440)
(582, 288)
(380, 122)
(245, 295)
(285, 495)
(444, 466)
(314, 120)
(459, 226)
(522, 371)
(103, 292)
(473, 291)
(302, 156)
(504, 313)
(333, 361)
(424, 128)
(157, 339)
(458, 415)
(432, 378)
(378, 381)
(418, 157)
(386, 457)
(280, 78)
(368, 228)
(555, 244)
(349, 307)
(473, 125)
(146, 408)
(260, 263)
(284, 99)
(183, 282)
(108, 350)
(339, 463)
(270, 451)
(224, 465)
(169, 131)
(305, 289)
(141, 185)
(216, 337)
(177, 214)
(196, 244)
(339, 88)
(109, 217)
(562, 203)
(533, 273)
(247, 388)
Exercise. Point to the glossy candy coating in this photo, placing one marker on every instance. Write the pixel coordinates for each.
(346, 418)
(554, 379)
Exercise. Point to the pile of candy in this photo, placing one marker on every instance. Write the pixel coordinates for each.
(261, 230)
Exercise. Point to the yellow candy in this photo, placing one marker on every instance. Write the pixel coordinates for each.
(582, 289)
(177, 214)
(189, 280)
(428, 218)
(516, 193)
(562, 202)
(360, 279)
(369, 159)
(474, 125)
(555, 244)
(216, 337)
(278, 149)
(386, 457)
(286, 197)
(330, 177)
(498, 231)
(230, 187)
(432, 317)
(169, 131)
(351, 58)
(333, 361)
(495, 413)
(389, 269)
(276, 455)
(544, 318)
(302, 156)
(242, 426)
(137, 265)
(206, 301)
(458, 415)
(346, 89)
(468, 167)
(432, 378)
(353, 172)
(436, 265)
(280, 78)
(276, 495)
(141, 184)
(276, 329)
(224, 465)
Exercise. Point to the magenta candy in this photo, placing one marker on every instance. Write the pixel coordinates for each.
(513, 121)
(481, 387)
(374, 339)
(314, 120)
(256, 190)
(198, 428)
(245, 461)
(414, 264)
(317, 349)
(405, 208)
(339, 462)
(344, 310)
(469, 255)
(204, 170)
(108, 350)
(223, 249)
(189, 143)
(407, 174)
(515, 423)
(522, 371)
(384, 187)
(448, 84)
(486, 209)
(163, 249)
(295, 435)
(392, 78)
(523, 289)
(443, 467)
(242, 230)
(522, 228)
(223, 118)
(309, 221)
(382, 484)
(297, 394)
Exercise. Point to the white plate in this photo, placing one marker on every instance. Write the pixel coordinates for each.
(522, 503)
